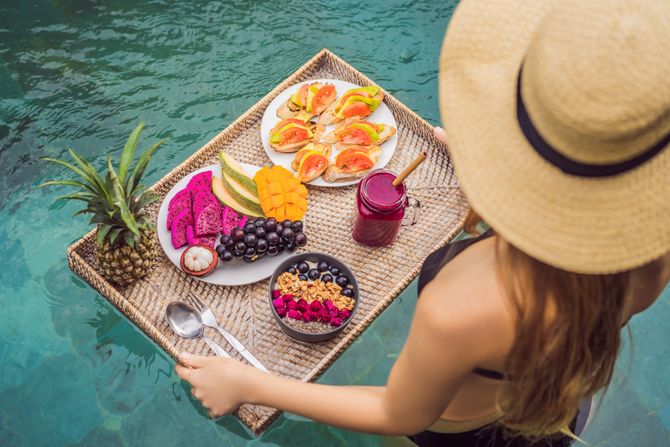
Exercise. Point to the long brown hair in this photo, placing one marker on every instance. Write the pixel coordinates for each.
(566, 341)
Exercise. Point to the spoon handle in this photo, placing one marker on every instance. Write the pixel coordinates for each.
(215, 347)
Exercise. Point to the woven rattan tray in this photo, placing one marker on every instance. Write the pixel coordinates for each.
(244, 310)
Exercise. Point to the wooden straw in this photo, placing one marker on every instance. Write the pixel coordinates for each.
(408, 170)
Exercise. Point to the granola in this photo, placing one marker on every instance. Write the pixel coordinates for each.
(291, 284)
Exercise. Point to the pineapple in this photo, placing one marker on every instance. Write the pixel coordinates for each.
(125, 242)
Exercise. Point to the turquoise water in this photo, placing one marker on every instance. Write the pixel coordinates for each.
(81, 74)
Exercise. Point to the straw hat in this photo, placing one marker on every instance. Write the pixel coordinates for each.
(558, 118)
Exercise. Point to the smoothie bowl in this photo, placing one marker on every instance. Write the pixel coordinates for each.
(313, 296)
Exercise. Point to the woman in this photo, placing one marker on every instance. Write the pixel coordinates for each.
(557, 116)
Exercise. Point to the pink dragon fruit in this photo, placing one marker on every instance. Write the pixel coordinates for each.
(181, 201)
(209, 240)
(230, 219)
(201, 198)
(178, 229)
(207, 220)
(201, 181)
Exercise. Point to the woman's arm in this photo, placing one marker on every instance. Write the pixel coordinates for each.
(442, 347)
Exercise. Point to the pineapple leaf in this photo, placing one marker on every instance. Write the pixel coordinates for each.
(74, 183)
(103, 230)
(101, 219)
(74, 169)
(113, 235)
(134, 179)
(82, 196)
(130, 239)
(86, 210)
(120, 200)
(92, 172)
(147, 198)
(129, 152)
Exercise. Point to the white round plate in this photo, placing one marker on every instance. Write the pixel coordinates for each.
(381, 115)
(234, 273)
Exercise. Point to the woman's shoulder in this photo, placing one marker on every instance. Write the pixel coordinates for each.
(466, 299)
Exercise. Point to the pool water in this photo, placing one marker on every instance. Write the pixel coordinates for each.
(82, 74)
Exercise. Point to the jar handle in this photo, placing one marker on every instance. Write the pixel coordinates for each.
(412, 203)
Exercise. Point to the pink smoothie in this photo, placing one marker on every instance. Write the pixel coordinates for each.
(381, 208)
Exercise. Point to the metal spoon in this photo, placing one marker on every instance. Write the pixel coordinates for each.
(185, 321)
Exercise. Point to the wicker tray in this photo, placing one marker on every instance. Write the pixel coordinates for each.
(244, 310)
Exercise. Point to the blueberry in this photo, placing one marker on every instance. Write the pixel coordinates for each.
(249, 228)
(259, 222)
(249, 259)
(226, 256)
(272, 250)
(335, 271)
(348, 292)
(302, 277)
(292, 270)
(260, 233)
(300, 239)
(291, 246)
(287, 234)
(272, 238)
(280, 248)
(327, 278)
(303, 267)
(238, 253)
(261, 246)
(237, 234)
(322, 266)
(287, 223)
(220, 249)
(342, 281)
(297, 226)
(313, 274)
(251, 240)
(250, 251)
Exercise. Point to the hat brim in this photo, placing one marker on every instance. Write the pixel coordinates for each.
(584, 225)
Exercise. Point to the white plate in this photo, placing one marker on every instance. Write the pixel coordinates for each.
(381, 115)
(234, 273)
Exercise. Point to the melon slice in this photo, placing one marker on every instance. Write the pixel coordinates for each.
(178, 230)
(242, 195)
(224, 196)
(181, 201)
(234, 169)
(200, 181)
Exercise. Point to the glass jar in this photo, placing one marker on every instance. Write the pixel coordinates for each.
(381, 209)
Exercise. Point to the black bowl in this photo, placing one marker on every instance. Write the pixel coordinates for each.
(313, 257)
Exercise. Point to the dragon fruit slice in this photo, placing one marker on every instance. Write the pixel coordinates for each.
(201, 198)
(192, 239)
(179, 225)
(230, 219)
(181, 201)
(201, 181)
(208, 220)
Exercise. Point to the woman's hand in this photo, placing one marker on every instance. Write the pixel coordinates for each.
(440, 134)
(220, 384)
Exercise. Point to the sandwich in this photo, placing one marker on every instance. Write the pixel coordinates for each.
(352, 163)
(355, 103)
(291, 134)
(359, 132)
(308, 101)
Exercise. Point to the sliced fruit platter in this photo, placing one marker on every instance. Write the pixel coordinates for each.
(232, 223)
(329, 132)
